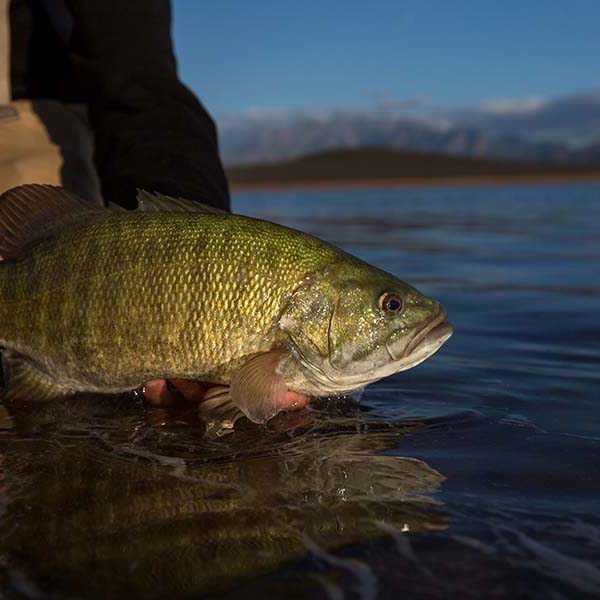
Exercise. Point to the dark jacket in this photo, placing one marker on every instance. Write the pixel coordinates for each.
(116, 56)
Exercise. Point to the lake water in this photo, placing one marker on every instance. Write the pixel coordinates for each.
(477, 474)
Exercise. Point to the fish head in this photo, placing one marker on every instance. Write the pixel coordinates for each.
(353, 324)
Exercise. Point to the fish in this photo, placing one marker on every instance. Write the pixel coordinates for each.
(100, 300)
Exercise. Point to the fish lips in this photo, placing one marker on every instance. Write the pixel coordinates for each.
(431, 334)
(426, 339)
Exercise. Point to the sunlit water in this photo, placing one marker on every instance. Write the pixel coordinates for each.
(477, 474)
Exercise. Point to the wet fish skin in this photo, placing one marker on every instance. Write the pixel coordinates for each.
(105, 300)
(135, 295)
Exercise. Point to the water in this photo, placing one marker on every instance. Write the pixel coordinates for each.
(477, 474)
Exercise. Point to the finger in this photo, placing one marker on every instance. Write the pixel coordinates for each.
(295, 400)
(190, 390)
(157, 393)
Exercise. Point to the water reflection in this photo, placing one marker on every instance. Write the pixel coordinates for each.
(100, 500)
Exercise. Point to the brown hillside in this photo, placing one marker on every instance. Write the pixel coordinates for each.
(381, 164)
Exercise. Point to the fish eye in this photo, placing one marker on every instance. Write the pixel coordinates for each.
(391, 303)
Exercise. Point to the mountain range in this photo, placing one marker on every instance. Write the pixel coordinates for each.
(560, 131)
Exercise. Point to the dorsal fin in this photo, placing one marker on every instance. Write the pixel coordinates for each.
(155, 202)
(29, 213)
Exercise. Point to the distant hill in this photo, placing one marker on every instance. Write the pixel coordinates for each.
(561, 131)
(383, 165)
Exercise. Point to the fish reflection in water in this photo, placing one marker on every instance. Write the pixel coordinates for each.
(97, 501)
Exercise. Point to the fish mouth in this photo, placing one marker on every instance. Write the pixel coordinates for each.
(433, 331)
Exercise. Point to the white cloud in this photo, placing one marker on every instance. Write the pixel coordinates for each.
(513, 106)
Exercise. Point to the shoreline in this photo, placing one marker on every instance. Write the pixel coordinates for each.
(416, 182)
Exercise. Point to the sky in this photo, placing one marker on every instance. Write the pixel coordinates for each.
(240, 55)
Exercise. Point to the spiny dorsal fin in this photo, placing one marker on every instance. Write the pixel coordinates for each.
(155, 202)
(26, 383)
(29, 213)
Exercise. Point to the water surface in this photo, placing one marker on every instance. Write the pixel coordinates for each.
(475, 474)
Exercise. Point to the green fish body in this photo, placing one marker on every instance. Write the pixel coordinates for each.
(103, 300)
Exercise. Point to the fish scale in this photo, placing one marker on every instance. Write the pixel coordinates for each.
(147, 285)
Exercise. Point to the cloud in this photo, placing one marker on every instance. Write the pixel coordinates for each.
(507, 106)
(572, 120)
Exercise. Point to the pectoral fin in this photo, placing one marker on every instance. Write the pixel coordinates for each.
(25, 382)
(257, 389)
(217, 405)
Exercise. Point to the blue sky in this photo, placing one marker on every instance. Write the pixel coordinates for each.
(240, 55)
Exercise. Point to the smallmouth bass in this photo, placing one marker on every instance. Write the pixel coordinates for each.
(101, 301)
